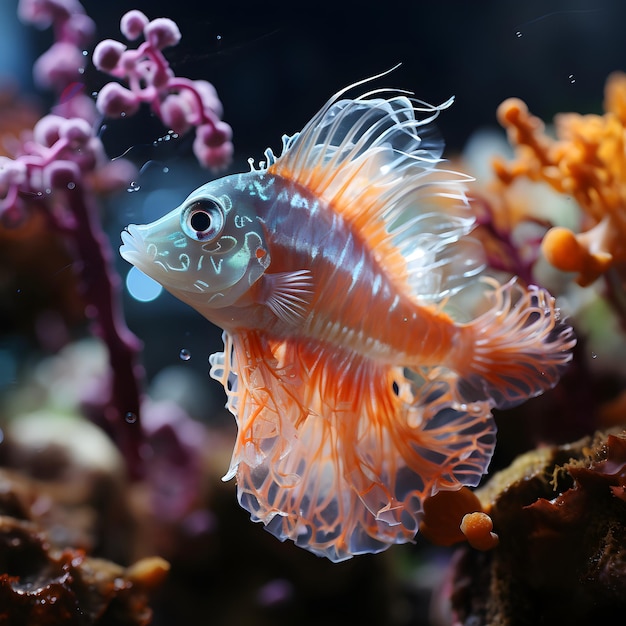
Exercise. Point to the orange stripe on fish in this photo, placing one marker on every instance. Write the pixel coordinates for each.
(364, 345)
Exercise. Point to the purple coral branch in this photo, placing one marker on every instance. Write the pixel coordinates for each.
(61, 168)
(56, 172)
(101, 292)
(509, 260)
(180, 103)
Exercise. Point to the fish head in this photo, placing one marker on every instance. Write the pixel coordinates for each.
(208, 252)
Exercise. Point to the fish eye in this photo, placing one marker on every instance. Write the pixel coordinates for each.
(203, 219)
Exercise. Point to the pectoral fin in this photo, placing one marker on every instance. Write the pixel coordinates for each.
(288, 294)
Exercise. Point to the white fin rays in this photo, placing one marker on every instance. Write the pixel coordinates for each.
(288, 294)
(375, 160)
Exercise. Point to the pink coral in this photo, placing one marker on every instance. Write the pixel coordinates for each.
(179, 102)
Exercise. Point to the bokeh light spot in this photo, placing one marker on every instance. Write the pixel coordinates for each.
(142, 287)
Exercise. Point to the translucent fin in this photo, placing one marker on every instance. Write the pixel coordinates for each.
(337, 453)
(288, 294)
(375, 161)
(518, 348)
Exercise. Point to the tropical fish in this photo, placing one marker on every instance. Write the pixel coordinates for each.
(364, 345)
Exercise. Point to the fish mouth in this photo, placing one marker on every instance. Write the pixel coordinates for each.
(133, 247)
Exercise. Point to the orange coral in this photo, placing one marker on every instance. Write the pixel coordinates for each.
(477, 529)
(453, 516)
(587, 161)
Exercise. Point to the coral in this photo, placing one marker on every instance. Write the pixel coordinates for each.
(44, 584)
(56, 173)
(454, 516)
(180, 103)
(561, 516)
(587, 161)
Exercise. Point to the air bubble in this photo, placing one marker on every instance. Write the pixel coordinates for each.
(572, 79)
(71, 186)
(134, 186)
(130, 417)
(184, 354)
(594, 355)
(166, 170)
(518, 34)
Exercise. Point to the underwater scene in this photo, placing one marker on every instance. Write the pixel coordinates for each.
(312, 314)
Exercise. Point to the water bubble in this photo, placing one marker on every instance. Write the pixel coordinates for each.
(166, 170)
(594, 355)
(81, 70)
(184, 354)
(518, 34)
(85, 53)
(219, 38)
(134, 186)
(130, 417)
(71, 185)
(572, 79)
(94, 94)
(123, 114)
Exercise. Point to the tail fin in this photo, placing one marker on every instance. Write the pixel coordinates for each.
(520, 348)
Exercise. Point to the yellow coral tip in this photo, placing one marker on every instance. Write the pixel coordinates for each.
(509, 111)
(562, 249)
(477, 529)
(149, 572)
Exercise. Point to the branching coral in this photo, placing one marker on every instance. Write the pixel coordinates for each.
(587, 161)
(179, 102)
(59, 169)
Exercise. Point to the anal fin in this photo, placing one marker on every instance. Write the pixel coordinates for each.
(337, 453)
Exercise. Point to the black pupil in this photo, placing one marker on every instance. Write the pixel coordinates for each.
(200, 221)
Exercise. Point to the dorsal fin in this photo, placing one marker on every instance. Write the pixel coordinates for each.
(375, 161)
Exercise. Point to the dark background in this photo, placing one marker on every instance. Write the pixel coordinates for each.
(274, 65)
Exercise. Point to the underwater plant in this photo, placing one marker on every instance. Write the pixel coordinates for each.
(586, 161)
(180, 103)
(60, 169)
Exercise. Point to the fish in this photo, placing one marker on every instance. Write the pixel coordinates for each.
(365, 342)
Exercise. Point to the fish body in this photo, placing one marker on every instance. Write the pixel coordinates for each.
(359, 367)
